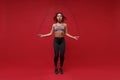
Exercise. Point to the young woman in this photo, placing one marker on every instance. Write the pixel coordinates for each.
(59, 29)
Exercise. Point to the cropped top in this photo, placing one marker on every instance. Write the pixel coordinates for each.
(59, 28)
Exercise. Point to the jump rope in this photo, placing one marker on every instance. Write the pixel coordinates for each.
(58, 10)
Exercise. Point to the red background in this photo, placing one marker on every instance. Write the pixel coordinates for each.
(23, 53)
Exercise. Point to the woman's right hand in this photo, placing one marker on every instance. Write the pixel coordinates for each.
(76, 37)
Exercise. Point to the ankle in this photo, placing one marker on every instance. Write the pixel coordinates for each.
(61, 70)
(60, 67)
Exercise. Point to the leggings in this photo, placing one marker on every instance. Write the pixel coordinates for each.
(59, 46)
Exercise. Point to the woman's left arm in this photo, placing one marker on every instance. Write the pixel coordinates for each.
(67, 34)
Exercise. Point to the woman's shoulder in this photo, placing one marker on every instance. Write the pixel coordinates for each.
(65, 24)
(54, 24)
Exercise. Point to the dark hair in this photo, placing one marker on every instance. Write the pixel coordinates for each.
(55, 17)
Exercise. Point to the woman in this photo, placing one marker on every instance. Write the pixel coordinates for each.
(59, 29)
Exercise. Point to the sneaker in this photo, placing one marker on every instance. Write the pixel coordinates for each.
(56, 70)
(61, 71)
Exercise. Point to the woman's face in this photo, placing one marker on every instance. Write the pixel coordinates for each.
(59, 17)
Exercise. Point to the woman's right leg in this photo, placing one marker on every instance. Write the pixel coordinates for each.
(56, 53)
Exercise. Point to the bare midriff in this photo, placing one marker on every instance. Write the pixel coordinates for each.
(59, 33)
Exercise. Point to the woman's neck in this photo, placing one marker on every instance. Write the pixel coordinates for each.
(59, 22)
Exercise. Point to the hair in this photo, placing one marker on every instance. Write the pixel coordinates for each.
(55, 17)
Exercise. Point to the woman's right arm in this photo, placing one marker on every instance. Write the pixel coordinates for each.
(46, 35)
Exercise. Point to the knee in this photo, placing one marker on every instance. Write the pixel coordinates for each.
(62, 56)
(56, 56)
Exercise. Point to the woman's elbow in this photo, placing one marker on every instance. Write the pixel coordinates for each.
(66, 34)
(50, 34)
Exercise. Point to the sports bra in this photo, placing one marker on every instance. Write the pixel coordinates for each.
(59, 28)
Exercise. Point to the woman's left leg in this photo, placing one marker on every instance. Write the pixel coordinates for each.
(62, 52)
